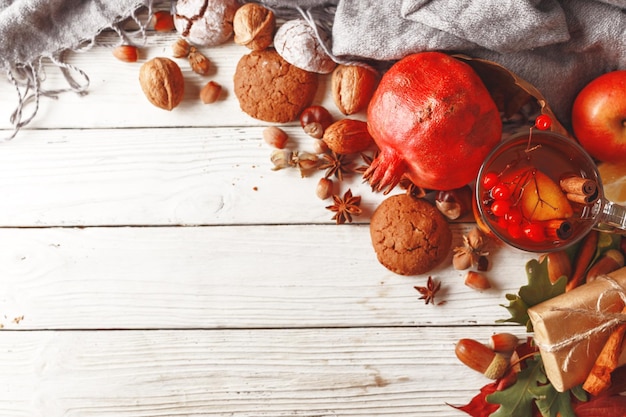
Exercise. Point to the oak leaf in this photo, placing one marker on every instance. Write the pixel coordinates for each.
(538, 290)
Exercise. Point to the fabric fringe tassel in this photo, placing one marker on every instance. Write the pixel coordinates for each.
(28, 79)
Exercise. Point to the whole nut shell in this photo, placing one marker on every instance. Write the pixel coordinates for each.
(254, 26)
(126, 53)
(210, 92)
(352, 87)
(162, 82)
(199, 63)
(347, 136)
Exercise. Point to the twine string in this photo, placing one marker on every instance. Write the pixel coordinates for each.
(607, 320)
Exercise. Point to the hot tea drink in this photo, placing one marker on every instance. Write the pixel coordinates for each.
(539, 191)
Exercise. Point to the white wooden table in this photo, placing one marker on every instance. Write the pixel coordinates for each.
(153, 264)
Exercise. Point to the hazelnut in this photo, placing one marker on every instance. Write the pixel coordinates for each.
(352, 87)
(126, 53)
(324, 188)
(163, 21)
(348, 136)
(275, 136)
(181, 48)
(254, 26)
(210, 92)
(162, 82)
(319, 146)
(200, 64)
(477, 281)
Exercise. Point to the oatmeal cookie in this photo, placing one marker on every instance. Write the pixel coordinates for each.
(271, 89)
(410, 236)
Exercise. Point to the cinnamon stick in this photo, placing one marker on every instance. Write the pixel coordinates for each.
(579, 185)
(599, 378)
(581, 198)
(585, 254)
(558, 229)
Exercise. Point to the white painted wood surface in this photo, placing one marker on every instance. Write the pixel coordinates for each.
(152, 264)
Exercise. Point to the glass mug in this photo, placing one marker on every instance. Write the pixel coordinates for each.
(540, 191)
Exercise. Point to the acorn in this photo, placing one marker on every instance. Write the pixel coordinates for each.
(503, 342)
(480, 358)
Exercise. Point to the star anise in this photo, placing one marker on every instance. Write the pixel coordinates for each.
(429, 291)
(335, 164)
(412, 189)
(345, 207)
(368, 161)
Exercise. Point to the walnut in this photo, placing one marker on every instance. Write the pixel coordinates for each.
(254, 26)
(297, 42)
(352, 87)
(205, 22)
(162, 82)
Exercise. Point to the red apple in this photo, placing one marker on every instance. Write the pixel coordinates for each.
(599, 117)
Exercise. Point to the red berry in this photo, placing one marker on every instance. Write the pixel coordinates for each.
(501, 191)
(514, 230)
(500, 208)
(490, 180)
(513, 216)
(543, 122)
(534, 232)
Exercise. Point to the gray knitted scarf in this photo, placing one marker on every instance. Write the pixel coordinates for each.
(35, 32)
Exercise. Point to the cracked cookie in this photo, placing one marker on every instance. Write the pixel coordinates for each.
(271, 89)
(410, 236)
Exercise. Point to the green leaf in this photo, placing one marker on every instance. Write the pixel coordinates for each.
(532, 387)
(606, 241)
(551, 403)
(518, 309)
(517, 400)
(579, 393)
(538, 290)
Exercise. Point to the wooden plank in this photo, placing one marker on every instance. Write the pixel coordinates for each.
(160, 177)
(114, 98)
(301, 372)
(228, 277)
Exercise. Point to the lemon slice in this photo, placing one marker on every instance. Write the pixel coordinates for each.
(613, 177)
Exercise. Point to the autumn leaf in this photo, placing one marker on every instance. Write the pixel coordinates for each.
(518, 399)
(533, 392)
(478, 406)
(604, 406)
(610, 403)
(552, 403)
(538, 290)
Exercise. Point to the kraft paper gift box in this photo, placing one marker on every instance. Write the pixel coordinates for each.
(572, 328)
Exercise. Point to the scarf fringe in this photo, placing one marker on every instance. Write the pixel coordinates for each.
(28, 78)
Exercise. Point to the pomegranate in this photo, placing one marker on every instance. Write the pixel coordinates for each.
(434, 122)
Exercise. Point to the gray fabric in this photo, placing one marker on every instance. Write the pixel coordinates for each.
(500, 25)
(30, 29)
(35, 30)
(558, 47)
